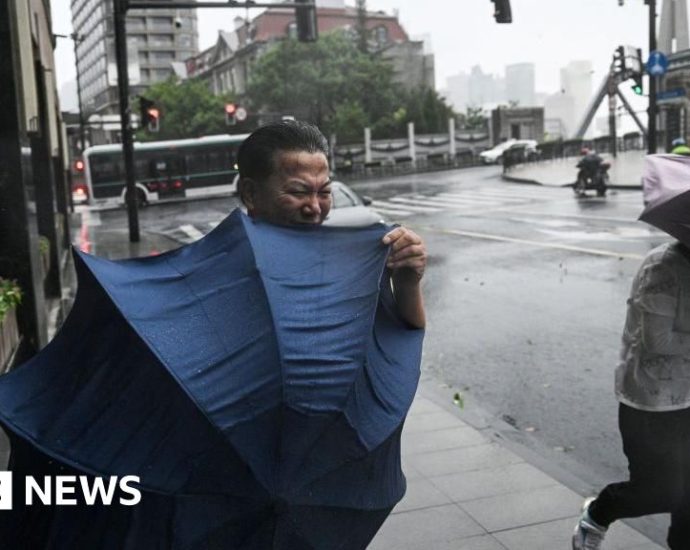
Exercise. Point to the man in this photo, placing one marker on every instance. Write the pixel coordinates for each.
(285, 180)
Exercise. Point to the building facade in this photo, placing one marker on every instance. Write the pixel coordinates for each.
(520, 84)
(156, 38)
(517, 123)
(226, 66)
(34, 217)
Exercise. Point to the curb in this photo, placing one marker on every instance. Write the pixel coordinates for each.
(529, 181)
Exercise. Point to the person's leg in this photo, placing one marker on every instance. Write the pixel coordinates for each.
(679, 531)
(653, 444)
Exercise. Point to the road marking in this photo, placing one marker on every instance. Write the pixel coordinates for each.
(480, 197)
(557, 246)
(191, 231)
(394, 213)
(406, 205)
(576, 216)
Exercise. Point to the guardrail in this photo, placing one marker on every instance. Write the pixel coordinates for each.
(404, 165)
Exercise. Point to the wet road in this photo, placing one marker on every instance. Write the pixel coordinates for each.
(526, 291)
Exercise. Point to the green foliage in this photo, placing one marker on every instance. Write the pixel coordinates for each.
(188, 109)
(475, 119)
(10, 296)
(341, 89)
(43, 245)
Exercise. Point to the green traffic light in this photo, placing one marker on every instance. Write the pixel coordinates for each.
(637, 89)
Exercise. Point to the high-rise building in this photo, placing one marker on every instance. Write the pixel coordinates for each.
(520, 84)
(576, 82)
(155, 39)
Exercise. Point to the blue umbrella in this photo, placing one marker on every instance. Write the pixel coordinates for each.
(256, 381)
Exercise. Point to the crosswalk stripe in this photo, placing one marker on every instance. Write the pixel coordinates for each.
(399, 203)
(432, 201)
(393, 213)
(191, 231)
(473, 199)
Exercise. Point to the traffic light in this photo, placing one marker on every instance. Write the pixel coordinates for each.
(638, 87)
(78, 165)
(150, 114)
(230, 112)
(307, 26)
(502, 11)
(619, 60)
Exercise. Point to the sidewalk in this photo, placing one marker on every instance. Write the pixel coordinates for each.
(467, 488)
(468, 491)
(625, 172)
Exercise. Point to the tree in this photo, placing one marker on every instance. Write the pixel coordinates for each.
(315, 81)
(475, 119)
(341, 89)
(187, 109)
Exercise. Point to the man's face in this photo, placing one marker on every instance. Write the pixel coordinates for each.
(298, 192)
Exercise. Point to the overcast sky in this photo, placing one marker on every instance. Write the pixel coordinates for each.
(549, 33)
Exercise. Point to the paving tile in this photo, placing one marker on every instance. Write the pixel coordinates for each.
(410, 470)
(439, 528)
(462, 460)
(449, 438)
(421, 493)
(490, 481)
(557, 534)
(431, 421)
(422, 405)
(523, 508)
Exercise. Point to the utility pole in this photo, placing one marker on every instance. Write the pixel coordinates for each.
(77, 39)
(652, 111)
(612, 88)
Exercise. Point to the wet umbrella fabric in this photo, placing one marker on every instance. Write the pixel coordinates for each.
(666, 193)
(256, 380)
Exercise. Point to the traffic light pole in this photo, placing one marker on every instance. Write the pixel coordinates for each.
(120, 9)
(652, 110)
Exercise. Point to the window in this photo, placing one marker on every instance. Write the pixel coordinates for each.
(162, 57)
(161, 40)
(292, 30)
(381, 35)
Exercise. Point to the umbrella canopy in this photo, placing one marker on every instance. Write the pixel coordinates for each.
(666, 192)
(256, 381)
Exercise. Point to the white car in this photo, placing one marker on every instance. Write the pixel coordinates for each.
(495, 155)
(349, 209)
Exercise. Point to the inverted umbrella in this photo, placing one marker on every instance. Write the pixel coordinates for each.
(666, 191)
(256, 381)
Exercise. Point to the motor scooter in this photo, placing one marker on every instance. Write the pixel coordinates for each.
(593, 174)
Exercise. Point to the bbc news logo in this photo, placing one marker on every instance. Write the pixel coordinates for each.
(71, 490)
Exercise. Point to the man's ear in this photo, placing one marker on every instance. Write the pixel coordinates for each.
(246, 189)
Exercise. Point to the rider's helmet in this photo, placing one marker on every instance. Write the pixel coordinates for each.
(678, 141)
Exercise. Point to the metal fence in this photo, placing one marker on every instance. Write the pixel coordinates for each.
(554, 150)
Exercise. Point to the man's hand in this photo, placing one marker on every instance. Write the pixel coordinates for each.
(407, 258)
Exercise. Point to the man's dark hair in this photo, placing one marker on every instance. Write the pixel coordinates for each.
(256, 155)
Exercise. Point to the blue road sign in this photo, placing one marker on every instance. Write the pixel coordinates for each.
(671, 94)
(657, 64)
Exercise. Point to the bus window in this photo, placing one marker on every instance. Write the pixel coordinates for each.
(106, 169)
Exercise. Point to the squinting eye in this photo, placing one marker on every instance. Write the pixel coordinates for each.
(325, 193)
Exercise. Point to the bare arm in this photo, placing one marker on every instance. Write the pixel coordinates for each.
(407, 261)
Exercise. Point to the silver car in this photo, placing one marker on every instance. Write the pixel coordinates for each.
(349, 209)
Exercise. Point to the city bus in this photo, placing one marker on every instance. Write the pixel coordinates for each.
(164, 169)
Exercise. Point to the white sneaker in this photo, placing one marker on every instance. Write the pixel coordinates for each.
(588, 535)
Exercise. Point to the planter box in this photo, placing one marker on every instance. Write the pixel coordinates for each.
(9, 338)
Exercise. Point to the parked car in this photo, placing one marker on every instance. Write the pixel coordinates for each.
(349, 209)
(495, 155)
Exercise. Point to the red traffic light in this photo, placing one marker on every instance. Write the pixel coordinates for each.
(154, 113)
(230, 108)
(79, 165)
